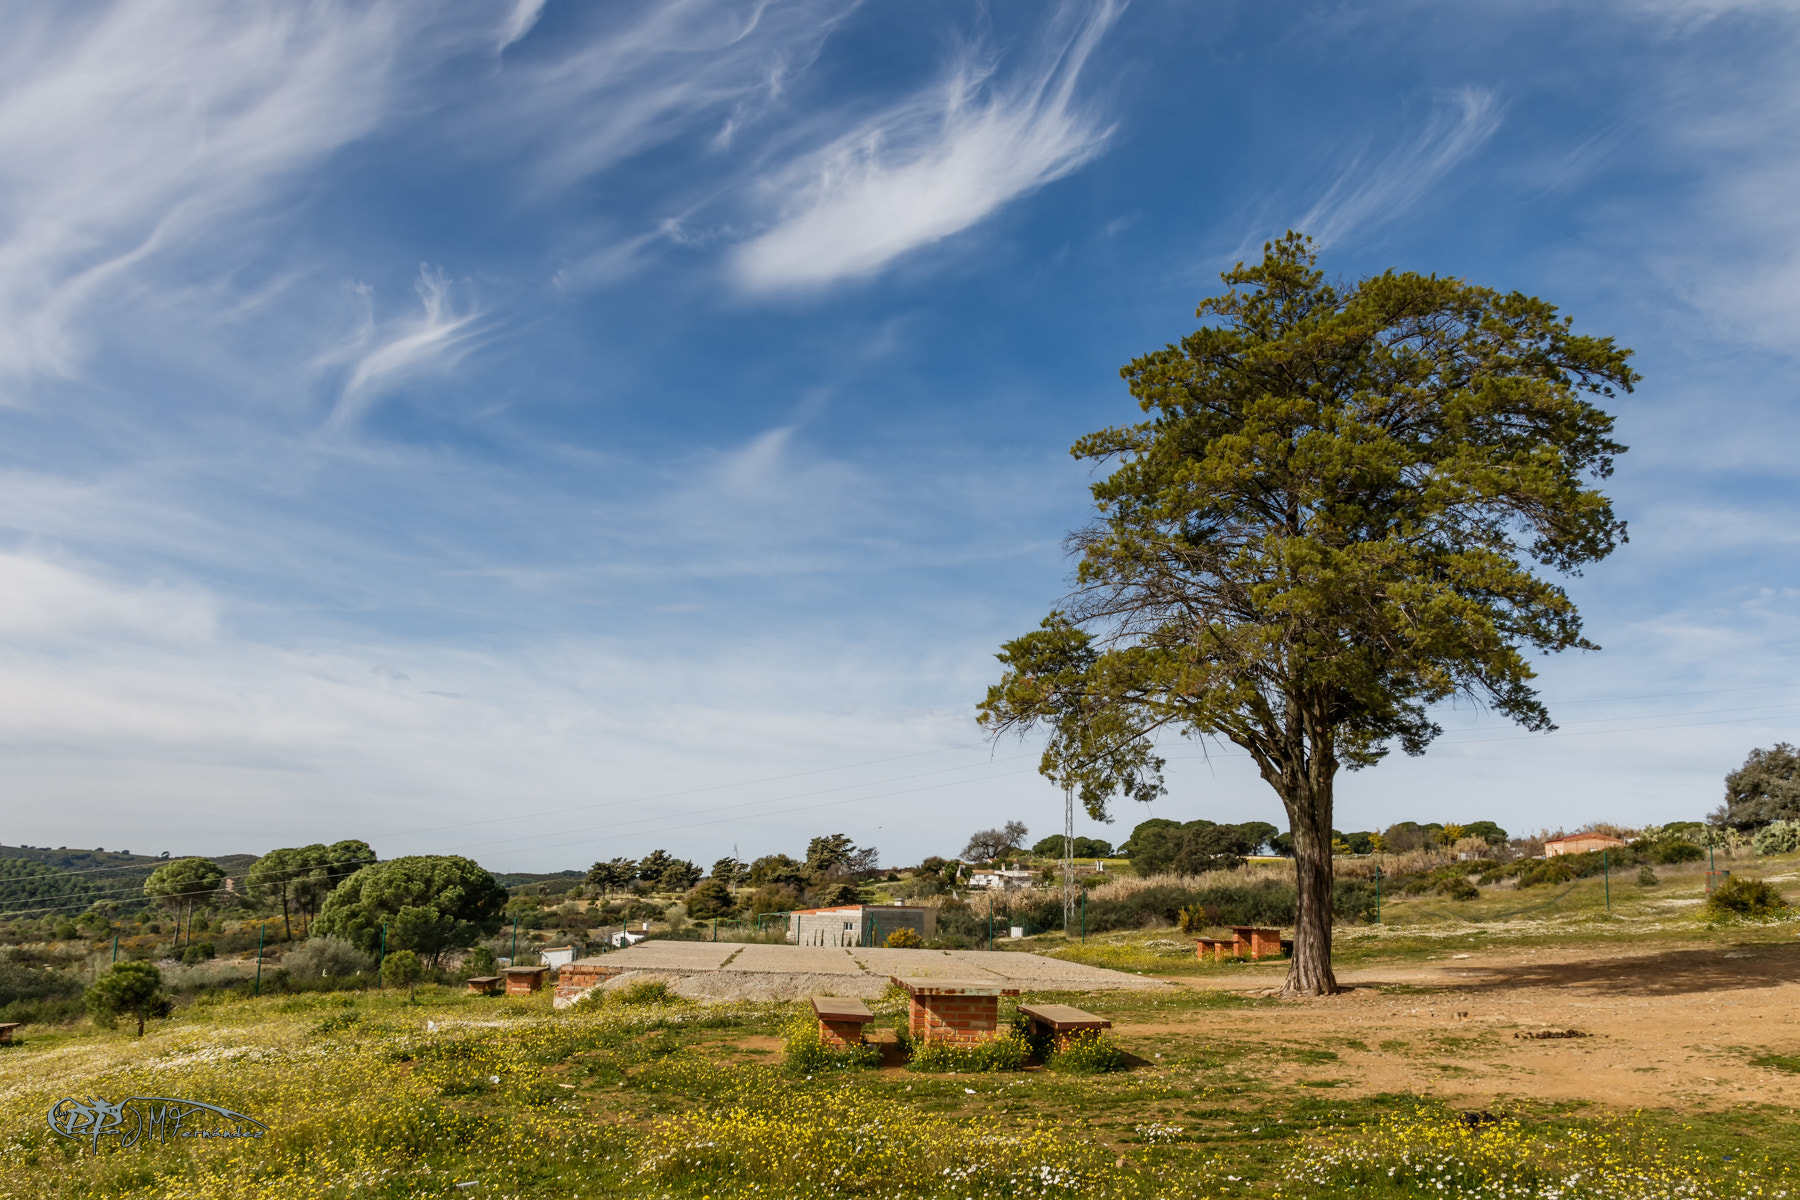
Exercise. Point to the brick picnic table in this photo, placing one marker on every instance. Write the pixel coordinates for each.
(485, 985)
(1245, 940)
(522, 981)
(953, 1010)
(6, 1031)
(841, 1019)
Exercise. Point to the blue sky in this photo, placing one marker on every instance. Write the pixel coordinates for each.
(547, 431)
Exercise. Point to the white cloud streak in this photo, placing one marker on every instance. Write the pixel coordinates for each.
(1369, 194)
(384, 356)
(130, 135)
(932, 166)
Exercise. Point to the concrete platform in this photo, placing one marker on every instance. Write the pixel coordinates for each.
(722, 971)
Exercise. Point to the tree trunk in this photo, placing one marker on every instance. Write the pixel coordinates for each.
(1309, 817)
(140, 1017)
(286, 925)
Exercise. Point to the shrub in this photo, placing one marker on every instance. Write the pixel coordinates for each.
(643, 991)
(1647, 877)
(1088, 1052)
(402, 968)
(1007, 1052)
(807, 1052)
(1741, 898)
(128, 989)
(199, 952)
(326, 958)
(904, 939)
(1670, 851)
(1777, 837)
(479, 962)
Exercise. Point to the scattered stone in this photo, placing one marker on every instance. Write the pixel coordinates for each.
(1548, 1034)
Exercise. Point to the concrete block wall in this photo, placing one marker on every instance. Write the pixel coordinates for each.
(964, 1019)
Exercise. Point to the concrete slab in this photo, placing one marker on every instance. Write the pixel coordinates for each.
(814, 960)
(757, 971)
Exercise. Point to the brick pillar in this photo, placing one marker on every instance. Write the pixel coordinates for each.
(954, 1018)
(841, 1034)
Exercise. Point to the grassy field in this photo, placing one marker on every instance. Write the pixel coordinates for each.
(369, 1095)
(1423, 1081)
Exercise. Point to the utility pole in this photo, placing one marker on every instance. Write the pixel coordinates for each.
(1068, 858)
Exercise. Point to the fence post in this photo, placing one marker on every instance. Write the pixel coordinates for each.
(116, 949)
(1084, 916)
(512, 959)
(1378, 893)
(260, 931)
(1606, 874)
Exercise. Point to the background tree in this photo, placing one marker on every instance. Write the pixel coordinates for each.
(729, 871)
(986, 845)
(271, 878)
(128, 988)
(712, 898)
(402, 968)
(778, 870)
(431, 903)
(653, 864)
(1331, 520)
(1766, 788)
(183, 884)
(614, 873)
(1085, 847)
(678, 876)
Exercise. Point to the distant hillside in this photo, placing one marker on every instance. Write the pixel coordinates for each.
(35, 878)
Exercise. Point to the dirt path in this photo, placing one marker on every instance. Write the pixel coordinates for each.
(1677, 1026)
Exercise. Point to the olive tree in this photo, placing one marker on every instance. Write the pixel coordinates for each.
(1341, 509)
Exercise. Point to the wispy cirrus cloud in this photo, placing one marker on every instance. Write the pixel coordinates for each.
(384, 355)
(1369, 193)
(656, 74)
(931, 166)
(127, 136)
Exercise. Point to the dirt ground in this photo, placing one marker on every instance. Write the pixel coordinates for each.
(1677, 1026)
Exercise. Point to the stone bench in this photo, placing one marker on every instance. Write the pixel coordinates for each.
(841, 1019)
(6, 1031)
(953, 1010)
(1060, 1021)
(485, 985)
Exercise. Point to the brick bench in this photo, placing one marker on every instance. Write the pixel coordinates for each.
(1059, 1021)
(1255, 942)
(485, 985)
(953, 1010)
(522, 981)
(841, 1019)
(6, 1031)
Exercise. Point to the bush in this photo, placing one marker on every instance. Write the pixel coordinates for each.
(1777, 837)
(198, 953)
(807, 1052)
(1670, 851)
(1647, 877)
(479, 962)
(129, 989)
(326, 958)
(1007, 1052)
(643, 991)
(402, 968)
(904, 939)
(1742, 898)
(1088, 1052)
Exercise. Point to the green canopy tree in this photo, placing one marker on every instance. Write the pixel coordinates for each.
(403, 968)
(302, 876)
(1765, 789)
(1333, 517)
(430, 903)
(614, 873)
(183, 884)
(128, 989)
